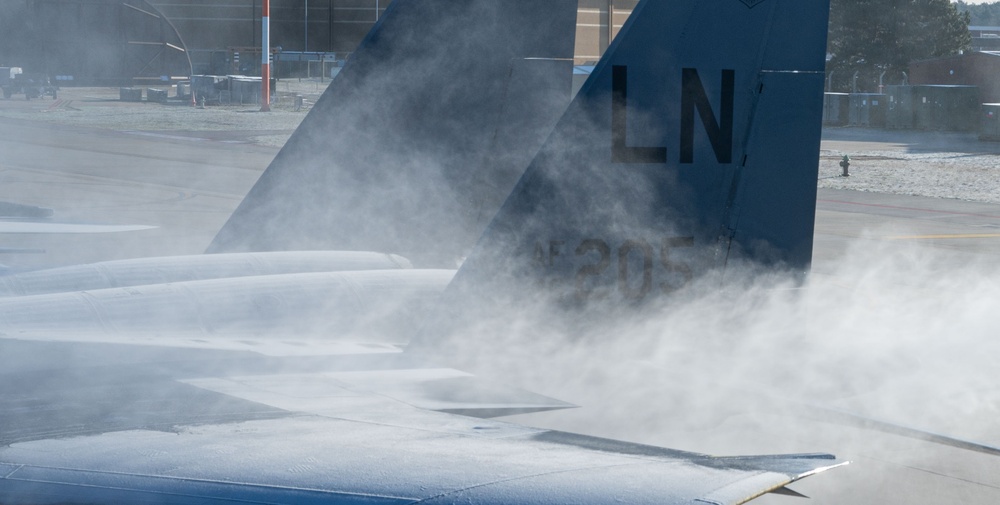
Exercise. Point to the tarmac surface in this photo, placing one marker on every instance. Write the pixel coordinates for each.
(93, 158)
(185, 186)
(845, 218)
(184, 170)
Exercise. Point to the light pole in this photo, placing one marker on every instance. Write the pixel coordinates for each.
(611, 21)
(265, 57)
(305, 26)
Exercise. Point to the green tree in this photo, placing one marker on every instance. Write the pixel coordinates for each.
(985, 14)
(881, 37)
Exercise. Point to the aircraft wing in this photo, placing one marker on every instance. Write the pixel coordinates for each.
(66, 228)
(18, 218)
(382, 434)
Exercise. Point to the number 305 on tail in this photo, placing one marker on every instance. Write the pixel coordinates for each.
(631, 268)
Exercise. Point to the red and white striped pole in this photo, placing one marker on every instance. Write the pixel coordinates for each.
(265, 61)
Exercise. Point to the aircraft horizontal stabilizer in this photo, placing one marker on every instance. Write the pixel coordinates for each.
(370, 305)
(161, 270)
(376, 448)
(442, 390)
(66, 228)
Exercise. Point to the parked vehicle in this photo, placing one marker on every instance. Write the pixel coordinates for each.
(7, 75)
(31, 85)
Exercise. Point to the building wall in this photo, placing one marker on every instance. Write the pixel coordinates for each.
(338, 25)
(971, 69)
(333, 25)
(985, 38)
(104, 41)
(592, 26)
(88, 38)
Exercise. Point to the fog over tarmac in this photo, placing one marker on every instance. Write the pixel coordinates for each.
(897, 323)
(893, 332)
(901, 330)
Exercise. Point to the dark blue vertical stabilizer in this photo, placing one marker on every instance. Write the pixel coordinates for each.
(416, 143)
(692, 147)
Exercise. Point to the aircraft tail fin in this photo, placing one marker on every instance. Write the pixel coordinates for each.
(416, 142)
(693, 145)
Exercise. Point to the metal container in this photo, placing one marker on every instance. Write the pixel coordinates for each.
(244, 89)
(156, 95)
(208, 88)
(962, 107)
(130, 94)
(899, 107)
(952, 108)
(866, 109)
(989, 121)
(835, 107)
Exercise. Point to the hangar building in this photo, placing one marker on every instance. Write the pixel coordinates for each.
(970, 69)
(110, 42)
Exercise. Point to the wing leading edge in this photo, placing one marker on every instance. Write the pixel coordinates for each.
(386, 457)
(375, 432)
